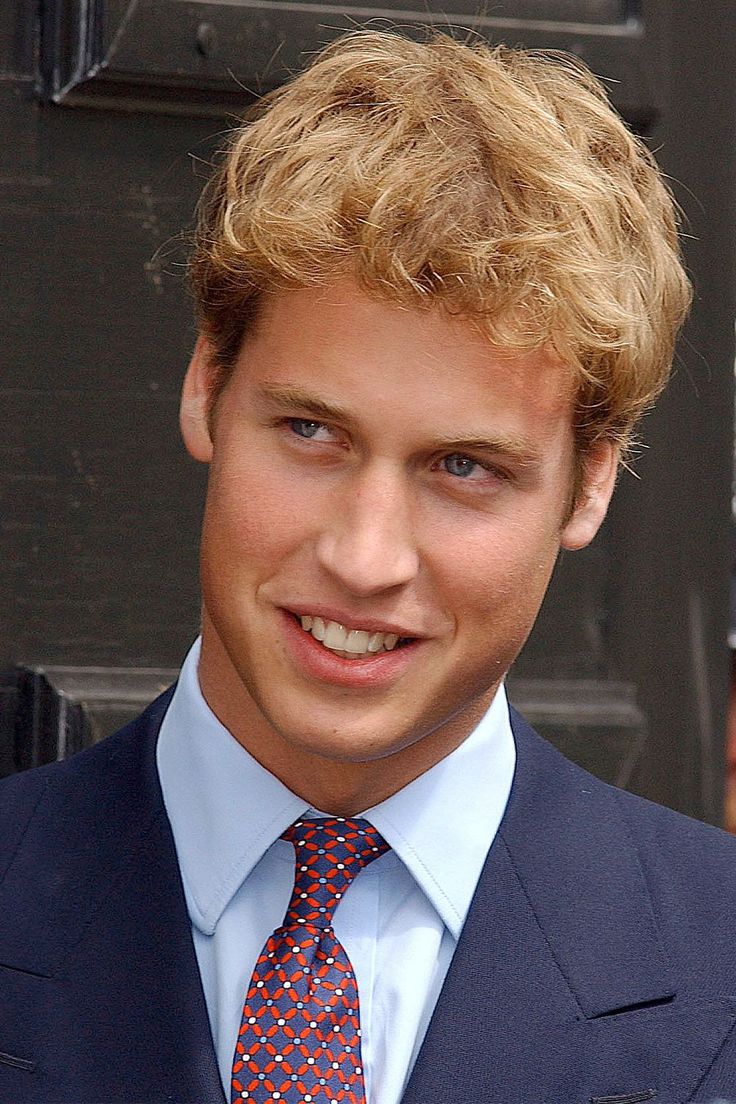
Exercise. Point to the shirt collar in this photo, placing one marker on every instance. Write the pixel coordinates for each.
(226, 810)
(443, 823)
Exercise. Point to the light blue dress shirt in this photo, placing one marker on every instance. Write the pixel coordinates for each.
(399, 921)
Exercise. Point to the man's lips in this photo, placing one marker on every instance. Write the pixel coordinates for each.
(349, 643)
(362, 670)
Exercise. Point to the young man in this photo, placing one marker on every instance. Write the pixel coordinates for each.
(437, 285)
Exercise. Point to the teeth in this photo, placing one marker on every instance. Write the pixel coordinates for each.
(357, 641)
(353, 655)
(335, 636)
(348, 643)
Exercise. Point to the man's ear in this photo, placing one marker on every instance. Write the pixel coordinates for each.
(194, 405)
(599, 479)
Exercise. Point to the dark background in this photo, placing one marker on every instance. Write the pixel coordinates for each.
(110, 114)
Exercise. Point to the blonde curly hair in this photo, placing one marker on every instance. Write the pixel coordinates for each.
(498, 183)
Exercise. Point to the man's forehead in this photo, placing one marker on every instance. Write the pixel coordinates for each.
(281, 316)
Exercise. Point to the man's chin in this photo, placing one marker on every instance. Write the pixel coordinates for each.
(349, 747)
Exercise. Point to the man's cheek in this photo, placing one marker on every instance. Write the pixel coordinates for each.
(249, 521)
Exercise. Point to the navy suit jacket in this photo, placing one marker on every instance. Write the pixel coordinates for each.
(597, 963)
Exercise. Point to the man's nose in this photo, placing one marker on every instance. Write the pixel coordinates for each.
(368, 541)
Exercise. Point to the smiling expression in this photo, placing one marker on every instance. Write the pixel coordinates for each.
(387, 497)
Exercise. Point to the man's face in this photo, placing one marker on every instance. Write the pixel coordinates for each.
(384, 472)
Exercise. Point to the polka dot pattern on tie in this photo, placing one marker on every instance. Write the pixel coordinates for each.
(299, 1040)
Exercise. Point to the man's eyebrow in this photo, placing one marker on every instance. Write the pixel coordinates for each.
(285, 397)
(516, 448)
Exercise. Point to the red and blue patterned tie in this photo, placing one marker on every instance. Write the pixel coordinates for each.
(299, 1040)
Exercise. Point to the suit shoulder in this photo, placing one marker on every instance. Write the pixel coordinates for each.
(682, 859)
(671, 841)
(687, 847)
(658, 833)
(71, 788)
(632, 857)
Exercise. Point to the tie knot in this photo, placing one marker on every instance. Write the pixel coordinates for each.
(329, 852)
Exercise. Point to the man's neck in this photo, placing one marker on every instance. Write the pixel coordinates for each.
(340, 787)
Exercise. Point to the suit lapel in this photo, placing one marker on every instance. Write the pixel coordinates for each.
(560, 989)
(580, 871)
(107, 933)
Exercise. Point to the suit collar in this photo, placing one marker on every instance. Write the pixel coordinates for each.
(570, 846)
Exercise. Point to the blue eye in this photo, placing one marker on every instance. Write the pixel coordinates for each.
(304, 428)
(461, 466)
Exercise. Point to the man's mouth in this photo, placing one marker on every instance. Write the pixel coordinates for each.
(351, 643)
